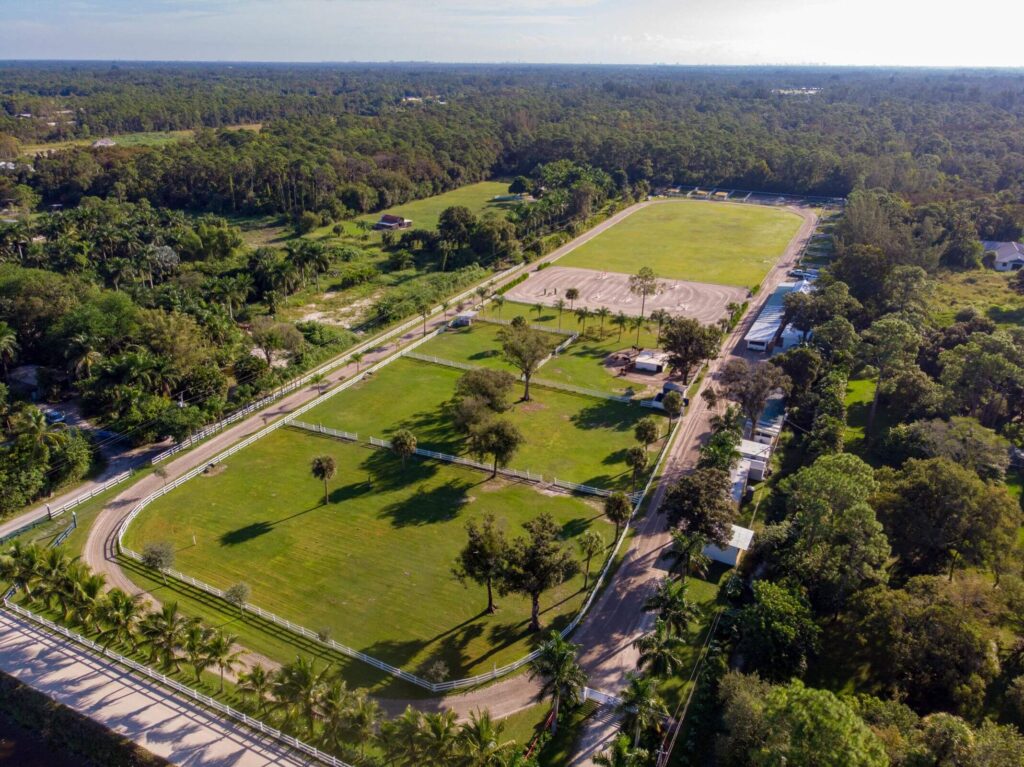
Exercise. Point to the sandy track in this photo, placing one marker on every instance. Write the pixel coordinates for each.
(702, 301)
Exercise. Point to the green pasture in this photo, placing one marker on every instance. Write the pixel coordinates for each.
(568, 436)
(373, 567)
(426, 212)
(692, 240)
(477, 345)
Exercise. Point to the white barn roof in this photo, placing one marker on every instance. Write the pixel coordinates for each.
(742, 537)
(768, 322)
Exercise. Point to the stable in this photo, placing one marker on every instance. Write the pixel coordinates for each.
(463, 319)
(651, 361)
(388, 221)
(758, 455)
(767, 327)
(734, 550)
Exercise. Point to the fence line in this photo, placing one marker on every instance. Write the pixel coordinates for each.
(440, 361)
(188, 692)
(543, 328)
(546, 384)
(319, 428)
(298, 383)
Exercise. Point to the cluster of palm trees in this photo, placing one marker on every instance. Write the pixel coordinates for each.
(64, 586)
(319, 706)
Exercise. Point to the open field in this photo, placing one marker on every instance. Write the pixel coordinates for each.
(475, 345)
(374, 566)
(702, 301)
(569, 437)
(142, 138)
(693, 240)
(425, 213)
(986, 290)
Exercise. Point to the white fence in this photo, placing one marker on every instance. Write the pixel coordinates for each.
(600, 697)
(298, 383)
(166, 681)
(319, 428)
(456, 459)
(652, 403)
(439, 361)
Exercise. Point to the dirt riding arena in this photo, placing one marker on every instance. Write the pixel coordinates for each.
(699, 300)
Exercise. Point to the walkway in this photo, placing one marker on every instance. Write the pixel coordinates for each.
(147, 714)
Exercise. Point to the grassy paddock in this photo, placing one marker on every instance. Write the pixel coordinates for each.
(476, 345)
(426, 212)
(373, 567)
(986, 290)
(692, 240)
(571, 437)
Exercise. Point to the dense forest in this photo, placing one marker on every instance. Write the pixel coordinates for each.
(878, 619)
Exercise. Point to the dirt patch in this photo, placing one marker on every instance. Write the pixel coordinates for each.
(533, 406)
(214, 469)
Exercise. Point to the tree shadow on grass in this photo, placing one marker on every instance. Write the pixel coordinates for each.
(607, 414)
(396, 652)
(427, 506)
(387, 473)
(574, 527)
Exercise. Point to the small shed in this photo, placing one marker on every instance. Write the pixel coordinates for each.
(733, 551)
(389, 221)
(463, 319)
(651, 361)
(104, 142)
(759, 455)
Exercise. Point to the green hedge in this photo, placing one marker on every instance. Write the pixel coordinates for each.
(64, 729)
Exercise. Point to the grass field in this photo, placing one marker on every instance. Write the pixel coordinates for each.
(425, 213)
(475, 345)
(373, 567)
(574, 438)
(142, 138)
(692, 240)
(986, 290)
(582, 364)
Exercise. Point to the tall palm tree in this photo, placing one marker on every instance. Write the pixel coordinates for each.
(222, 653)
(8, 345)
(480, 741)
(661, 650)
(560, 305)
(499, 301)
(641, 707)
(687, 553)
(194, 644)
(23, 564)
(440, 737)
(162, 632)
(361, 719)
(539, 308)
(297, 689)
(257, 684)
(621, 321)
(672, 606)
(582, 315)
(602, 313)
(563, 677)
(120, 614)
(324, 468)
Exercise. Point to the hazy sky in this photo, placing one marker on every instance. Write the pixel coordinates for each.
(904, 32)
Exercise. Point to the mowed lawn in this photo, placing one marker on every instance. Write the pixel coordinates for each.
(426, 212)
(568, 436)
(373, 567)
(477, 345)
(692, 240)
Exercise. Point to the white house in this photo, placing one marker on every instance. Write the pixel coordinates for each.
(463, 319)
(651, 361)
(759, 455)
(733, 552)
(1009, 256)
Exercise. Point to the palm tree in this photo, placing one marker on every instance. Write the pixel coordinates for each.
(256, 682)
(590, 545)
(333, 709)
(162, 631)
(402, 737)
(602, 314)
(539, 308)
(622, 754)
(621, 321)
(661, 317)
(563, 677)
(672, 606)
(361, 719)
(221, 652)
(8, 345)
(582, 315)
(687, 553)
(195, 643)
(572, 294)
(732, 420)
(324, 468)
(560, 305)
(120, 614)
(641, 707)
(440, 737)
(23, 564)
(358, 358)
(499, 301)
(661, 650)
(297, 689)
(480, 741)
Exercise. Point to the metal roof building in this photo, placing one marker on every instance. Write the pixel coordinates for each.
(769, 322)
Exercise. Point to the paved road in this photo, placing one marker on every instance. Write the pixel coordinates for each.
(617, 619)
(158, 721)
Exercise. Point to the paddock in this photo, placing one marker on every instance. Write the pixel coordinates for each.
(702, 301)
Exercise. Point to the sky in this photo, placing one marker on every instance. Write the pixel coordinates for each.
(740, 32)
